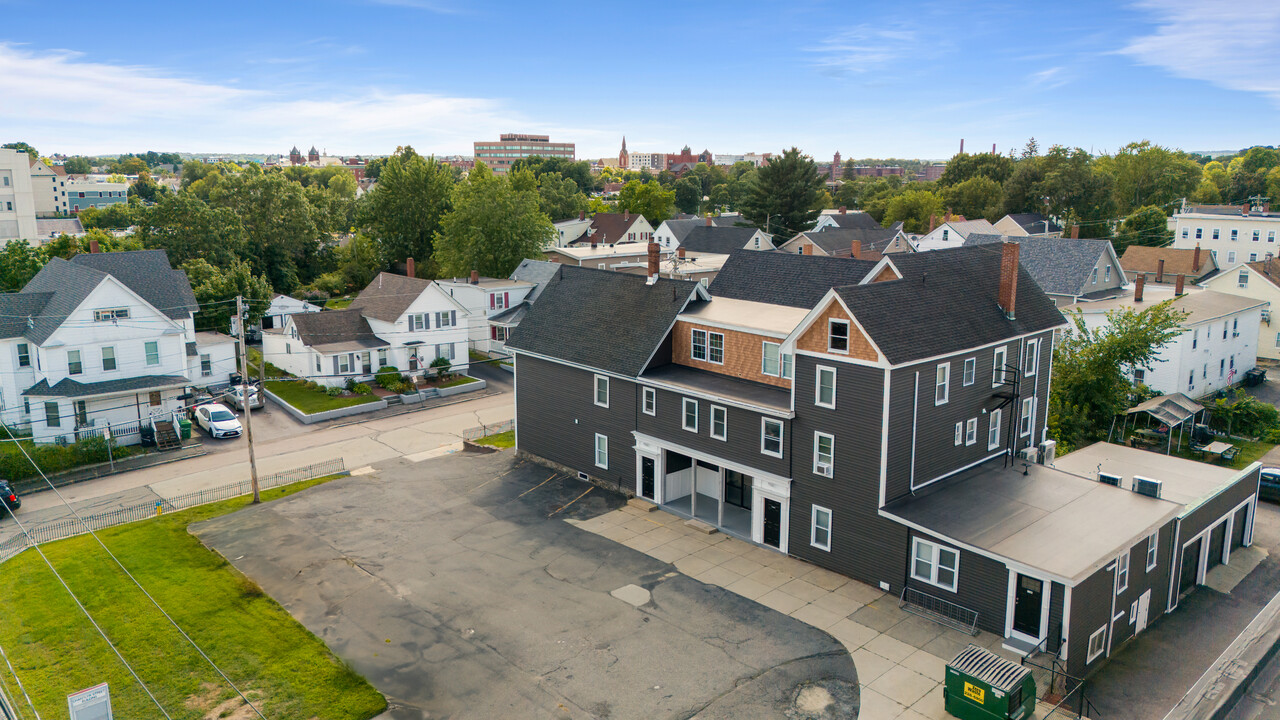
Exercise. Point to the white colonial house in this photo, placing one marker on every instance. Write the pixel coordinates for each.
(1217, 346)
(104, 340)
(1257, 281)
(484, 298)
(283, 305)
(953, 233)
(1233, 234)
(396, 321)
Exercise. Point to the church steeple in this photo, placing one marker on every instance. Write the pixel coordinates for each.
(623, 156)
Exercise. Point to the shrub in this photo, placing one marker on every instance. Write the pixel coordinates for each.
(441, 365)
(333, 391)
(361, 389)
(351, 383)
(406, 388)
(388, 381)
(1244, 414)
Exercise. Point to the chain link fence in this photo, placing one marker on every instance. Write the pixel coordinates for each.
(476, 433)
(66, 527)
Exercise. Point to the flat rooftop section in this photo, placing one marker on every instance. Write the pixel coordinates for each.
(1202, 305)
(776, 320)
(743, 391)
(485, 282)
(1048, 519)
(209, 337)
(1183, 481)
(601, 250)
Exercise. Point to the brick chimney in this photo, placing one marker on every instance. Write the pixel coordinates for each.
(1137, 287)
(1009, 277)
(1075, 232)
(855, 251)
(1177, 287)
(626, 215)
(409, 267)
(1244, 209)
(933, 219)
(593, 243)
(582, 214)
(653, 260)
(680, 252)
(708, 221)
(1160, 270)
(1195, 259)
(475, 277)
(808, 249)
(842, 209)
(93, 245)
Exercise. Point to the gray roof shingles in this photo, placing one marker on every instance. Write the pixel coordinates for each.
(66, 387)
(850, 220)
(388, 296)
(785, 279)
(1061, 266)
(840, 240)
(722, 240)
(336, 329)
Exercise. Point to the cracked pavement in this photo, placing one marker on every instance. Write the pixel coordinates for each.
(454, 586)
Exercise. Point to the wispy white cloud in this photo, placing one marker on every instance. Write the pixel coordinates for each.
(1049, 78)
(1229, 44)
(59, 101)
(863, 48)
(428, 5)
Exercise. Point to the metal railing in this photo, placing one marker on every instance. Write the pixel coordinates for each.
(938, 610)
(65, 527)
(476, 433)
(1068, 690)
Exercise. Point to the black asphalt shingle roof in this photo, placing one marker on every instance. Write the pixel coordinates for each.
(1035, 223)
(149, 274)
(945, 303)
(604, 320)
(1061, 266)
(785, 279)
(840, 240)
(537, 272)
(15, 308)
(66, 387)
(722, 240)
(332, 328)
(850, 220)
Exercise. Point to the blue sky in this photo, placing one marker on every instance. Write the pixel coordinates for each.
(902, 79)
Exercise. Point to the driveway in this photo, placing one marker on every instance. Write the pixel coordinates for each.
(454, 586)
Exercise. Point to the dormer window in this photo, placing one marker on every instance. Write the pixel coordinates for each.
(111, 314)
(838, 336)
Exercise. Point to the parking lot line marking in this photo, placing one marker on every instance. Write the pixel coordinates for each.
(562, 507)
(535, 487)
(486, 482)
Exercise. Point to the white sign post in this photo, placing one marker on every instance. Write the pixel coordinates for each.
(91, 704)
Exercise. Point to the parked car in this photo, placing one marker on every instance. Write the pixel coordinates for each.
(1269, 484)
(218, 421)
(236, 396)
(8, 496)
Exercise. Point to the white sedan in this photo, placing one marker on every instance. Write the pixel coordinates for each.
(218, 421)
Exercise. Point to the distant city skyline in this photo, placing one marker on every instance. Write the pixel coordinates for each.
(904, 80)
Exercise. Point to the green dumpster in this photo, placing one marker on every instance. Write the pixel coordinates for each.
(184, 428)
(981, 685)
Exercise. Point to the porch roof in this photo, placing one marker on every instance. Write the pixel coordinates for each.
(68, 388)
(1048, 519)
(731, 389)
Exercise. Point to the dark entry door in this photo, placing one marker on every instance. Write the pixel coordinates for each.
(772, 523)
(1027, 603)
(1217, 541)
(648, 470)
(1238, 528)
(1190, 567)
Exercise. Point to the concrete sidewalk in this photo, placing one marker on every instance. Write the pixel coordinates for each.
(900, 657)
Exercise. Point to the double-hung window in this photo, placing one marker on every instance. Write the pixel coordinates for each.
(698, 345)
(1153, 545)
(206, 365)
(825, 391)
(51, 417)
(109, 358)
(771, 437)
(935, 564)
(602, 391)
(719, 423)
(959, 433)
(715, 348)
(344, 364)
(382, 358)
(1029, 412)
(24, 355)
(689, 419)
(993, 430)
(838, 336)
(770, 359)
(153, 352)
(971, 431)
(1122, 573)
(1097, 643)
(820, 532)
(970, 370)
(824, 446)
(74, 366)
(1000, 357)
(1031, 361)
(942, 388)
(602, 451)
(448, 318)
(649, 401)
(419, 321)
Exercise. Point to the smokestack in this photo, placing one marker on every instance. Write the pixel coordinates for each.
(409, 267)
(1075, 232)
(680, 252)
(993, 148)
(1177, 287)
(1137, 288)
(842, 209)
(653, 261)
(93, 245)
(1160, 271)
(961, 146)
(1195, 259)
(708, 221)
(808, 249)
(855, 251)
(1009, 277)
(475, 277)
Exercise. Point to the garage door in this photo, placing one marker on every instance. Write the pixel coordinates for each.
(1190, 567)
(1217, 542)
(1238, 528)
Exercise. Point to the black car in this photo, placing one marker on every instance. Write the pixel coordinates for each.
(8, 496)
(1269, 484)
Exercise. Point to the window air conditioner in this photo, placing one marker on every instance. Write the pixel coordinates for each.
(824, 469)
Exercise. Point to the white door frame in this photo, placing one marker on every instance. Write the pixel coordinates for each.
(1142, 617)
(1046, 599)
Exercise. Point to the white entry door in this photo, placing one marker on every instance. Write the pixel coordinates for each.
(1144, 607)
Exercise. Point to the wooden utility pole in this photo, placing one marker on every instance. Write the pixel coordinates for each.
(244, 395)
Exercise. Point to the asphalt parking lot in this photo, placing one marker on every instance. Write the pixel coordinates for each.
(454, 586)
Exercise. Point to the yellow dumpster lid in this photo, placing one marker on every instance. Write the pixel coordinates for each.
(982, 664)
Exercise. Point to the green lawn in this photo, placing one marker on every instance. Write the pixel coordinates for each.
(459, 380)
(1250, 452)
(255, 361)
(338, 303)
(499, 440)
(255, 641)
(313, 401)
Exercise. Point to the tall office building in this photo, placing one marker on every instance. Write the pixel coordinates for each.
(499, 156)
(17, 202)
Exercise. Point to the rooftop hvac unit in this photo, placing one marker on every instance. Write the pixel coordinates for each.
(1107, 479)
(1146, 486)
(1030, 454)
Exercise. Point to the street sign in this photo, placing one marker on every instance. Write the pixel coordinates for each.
(91, 704)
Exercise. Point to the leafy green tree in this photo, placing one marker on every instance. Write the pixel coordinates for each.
(914, 208)
(1022, 191)
(708, 176)
(188, 229)
(579, 172)
(979, 196)
(720, 198)
(491, 228)
(1147, 174)
(283, 231)
(19, 262)
(147, 189)
(216, 287)
(1216, 173)
(128, 165)
(405, 208)
(78, 166)
(688, 194)
(559, 197)
(1089, 385)
(1244, 185)
(359, 261)
(649, 199)
(1207, 193)
(194, 171)
(22, 147)
(1077, 191)
(1259, 158)
(373, 168)
(783, 194)
(1148, 226)
(963, 166)
(112, 217)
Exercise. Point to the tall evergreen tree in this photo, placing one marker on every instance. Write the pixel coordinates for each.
(784, 194)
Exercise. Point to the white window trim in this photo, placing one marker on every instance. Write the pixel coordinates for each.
(994, 421)
(970, 372)
(971, 432)
(649, 401)
(724, 425)
(764, 345)
(933, 563)
(684, 414)
(1032, 354)
(1027, 416)
(959, 433)
(1153, 550)
(998, 360)
(595, 390)
(1122, 572)
(693, 345)
(847, 338)
(598, 448)
(782, 429)
(722, 347)
(817, 436)
(813, 527)
(944, 384)
(817, 386)
(1101, 635)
